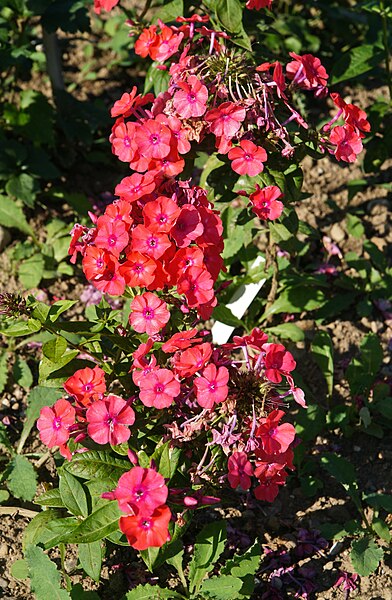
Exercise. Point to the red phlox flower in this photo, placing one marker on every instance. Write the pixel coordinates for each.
(275, 462)
(353, 115)
(240, 470)
(140, 491)
(180, 134)
(141, 369)
(213, 261)
(206, 309)
(181, 341)
(212, 229)
(141, 352)
(193, 359)
(86, 385)
(149, 243)
(307, 72)
(256, 339)
(188, 226)
(95, 262)
(265, 203)
(108, 419)
(123, 107)
(76, 246)
(105, 5)
(153, 139)
(247, 158)
(191, 99)
(269, 487)
(54, 423)
(258, 4)
(211, 388)
(166, 44)
(183, 259)
(160, 214)
(111, 281)
(169, 166)
(145, 41)
(279, 79)
(119, 210)
(121, 138)
(150, 531)
(112, 236)
(347, 141)
(275, 438)
(149, 313)
(197, 285)
(138, 270)
(134, 187)
(159, 388)
(277, 362)
(225, 120)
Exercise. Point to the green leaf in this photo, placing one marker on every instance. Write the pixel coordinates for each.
(73, 494)
(12, 216)
(210, 543)
(365, 556)
(30, 271)
(287, 331)
(90, 556)
(78, 593)
(223, 314)
(152, 592)
(382, 529)
(21, 373)
(47, 368)
(344, 472)
(44, 576)
(310, 422)
(297, 299)
(96, 464)
(57, 531)
(55, 348)
(98, 525)
(20, 569)
(244, 566)
(50, 498)
(356, 61)
(20, 329)
(22, 478)
(322, 353)
(355, 226)
(229, 13)
(4, 439)
(166, 459)
(3, 370)
(22, 187)
(222, 587)
(37, 399)
(363, 369)
(380, 501)
(4, 496)
(156, 79)
(149, 557)
(58, 308)
(169, 12)
(33, 532)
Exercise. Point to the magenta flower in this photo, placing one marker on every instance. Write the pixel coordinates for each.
(112, 236)
(265, 203)
(247, 158)
(54, 423)
(347, 141)
(274, 437)
(191, 99)
(277, 361)
(108, 420)
(149, 313)
(240, 470)
(225, 120)
(140, 491)
(159, 388)
(211, 387)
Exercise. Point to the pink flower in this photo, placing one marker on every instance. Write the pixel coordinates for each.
(197, 285)
(108, 419)
(153, 139)
(277, 361)
(240, 470)
(269, 488)
(54, 423)
(211, 387)
(159, 388)
(86, 384)
(140, 491)
(248, 158)
(104, 4)
(275, 437)
(225, 120)
(347, 141)
(149, 313)
(150, 531)
(112, 236)
(191, 99)
(265, 202)
(307, 72)
(188, 226)
(258, 4)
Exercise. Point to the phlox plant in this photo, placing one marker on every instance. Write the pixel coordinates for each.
(155, 420)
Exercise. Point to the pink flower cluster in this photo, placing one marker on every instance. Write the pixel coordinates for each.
(160, 235)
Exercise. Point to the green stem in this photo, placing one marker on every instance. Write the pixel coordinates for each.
(384, 20)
